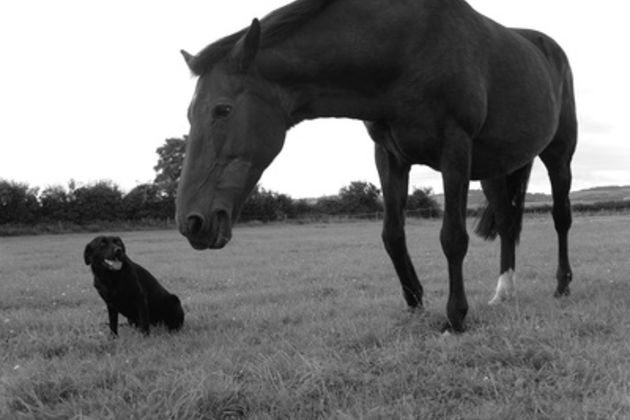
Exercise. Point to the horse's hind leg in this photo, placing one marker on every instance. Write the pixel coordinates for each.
(504, 214)
(500, 210)
(560, 176)
(395, 182)
(557, 158)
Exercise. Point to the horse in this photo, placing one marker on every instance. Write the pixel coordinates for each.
(435, 82)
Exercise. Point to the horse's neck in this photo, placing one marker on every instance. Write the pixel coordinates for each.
(315, 99)
(336, 65)
(345, 62)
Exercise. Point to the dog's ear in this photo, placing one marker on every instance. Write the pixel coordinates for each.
(87, 254)
(121, 243)
(89, 250)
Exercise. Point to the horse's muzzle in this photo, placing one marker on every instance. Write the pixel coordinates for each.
(207, 233)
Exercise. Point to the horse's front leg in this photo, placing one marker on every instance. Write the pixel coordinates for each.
(455, 167)
(395, 183)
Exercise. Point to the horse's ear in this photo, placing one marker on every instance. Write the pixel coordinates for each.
(246, 48)
(187, 58)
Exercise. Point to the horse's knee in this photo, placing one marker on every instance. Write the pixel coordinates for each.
(393, 237)
(454, 243)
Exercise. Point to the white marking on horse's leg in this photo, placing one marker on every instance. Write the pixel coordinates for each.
(505, 288)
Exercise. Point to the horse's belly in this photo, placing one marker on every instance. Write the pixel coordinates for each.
(491, 158)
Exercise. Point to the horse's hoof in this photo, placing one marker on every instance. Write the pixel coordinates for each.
(415, 310)
(560, 293)
(505, 290)
(455, 314)
(499, 299)
(449, 328)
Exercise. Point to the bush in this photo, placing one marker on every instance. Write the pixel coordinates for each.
(421, 204)
(360, 198)
(99, 201)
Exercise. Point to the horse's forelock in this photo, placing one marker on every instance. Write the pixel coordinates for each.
(213, 53)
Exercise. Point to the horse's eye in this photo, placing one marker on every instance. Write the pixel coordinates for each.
(222, 111)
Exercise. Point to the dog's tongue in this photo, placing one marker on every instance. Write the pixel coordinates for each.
(113, 264)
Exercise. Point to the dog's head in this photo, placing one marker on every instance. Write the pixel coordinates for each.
(107, 252)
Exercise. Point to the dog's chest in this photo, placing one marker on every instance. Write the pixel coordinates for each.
(110, 289)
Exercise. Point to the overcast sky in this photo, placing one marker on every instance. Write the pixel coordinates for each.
(89, 90)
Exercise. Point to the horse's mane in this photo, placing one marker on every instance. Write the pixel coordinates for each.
(276, 26)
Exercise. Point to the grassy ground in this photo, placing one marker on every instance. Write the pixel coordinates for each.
(299, 322)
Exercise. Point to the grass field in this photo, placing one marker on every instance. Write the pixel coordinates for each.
(308, 321)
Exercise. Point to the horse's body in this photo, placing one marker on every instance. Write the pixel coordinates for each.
(435, 82)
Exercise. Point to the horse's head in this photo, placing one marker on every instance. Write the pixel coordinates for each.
(237, 129)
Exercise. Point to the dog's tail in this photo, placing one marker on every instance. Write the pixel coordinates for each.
(517, 189)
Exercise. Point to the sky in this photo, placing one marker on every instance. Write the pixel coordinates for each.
(90, 89)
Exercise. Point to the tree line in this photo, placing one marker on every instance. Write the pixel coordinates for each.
(104, 201)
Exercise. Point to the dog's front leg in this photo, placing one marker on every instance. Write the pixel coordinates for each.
(113, 320)
(143, 314)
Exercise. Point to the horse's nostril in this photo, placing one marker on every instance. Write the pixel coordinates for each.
(222, 216)
(194, 224)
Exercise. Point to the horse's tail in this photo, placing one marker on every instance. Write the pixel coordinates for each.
(486, 227)
(517, 189)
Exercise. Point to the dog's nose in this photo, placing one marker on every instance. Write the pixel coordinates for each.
(118, 252)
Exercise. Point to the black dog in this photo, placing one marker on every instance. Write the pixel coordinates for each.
(129, 289)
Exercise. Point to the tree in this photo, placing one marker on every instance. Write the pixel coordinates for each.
(422, 204)
(169, 166)
(267, 206)
(329, 205)
(55, 204)
(360, 197)
(146, 202)
(18, 203)
(304, 207)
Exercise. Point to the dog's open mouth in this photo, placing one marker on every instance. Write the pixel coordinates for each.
(113, 264)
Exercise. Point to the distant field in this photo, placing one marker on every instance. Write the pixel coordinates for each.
(587, 196)
(308, 321)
